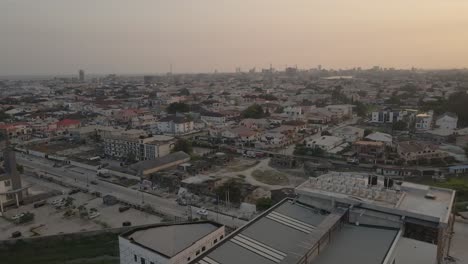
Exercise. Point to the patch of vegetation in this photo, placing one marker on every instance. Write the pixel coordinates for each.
(98, 249)
(254, 111)
(270, 177)
(234, 188)
(263, 204)
(183, 145)
(178, 108)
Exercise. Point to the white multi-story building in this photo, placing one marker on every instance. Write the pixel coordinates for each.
(214, 118)
(175, 125)
(294, 112)
(169, 244)
(141, 148)
(424, 121)
(447, 121)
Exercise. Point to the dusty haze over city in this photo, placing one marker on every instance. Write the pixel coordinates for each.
(58, 37)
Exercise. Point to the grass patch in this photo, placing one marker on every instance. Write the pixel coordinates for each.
(98, 249)
(270, 177)
(242, 167)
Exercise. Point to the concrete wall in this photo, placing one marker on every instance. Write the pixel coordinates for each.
(155, 169)
(207, 242)
(84, 166)
(128, 251)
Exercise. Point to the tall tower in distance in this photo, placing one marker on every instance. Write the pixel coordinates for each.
(81, 75)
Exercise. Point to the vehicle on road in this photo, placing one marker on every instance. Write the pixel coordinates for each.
(57, 201)
(127, 223)
(352, 161)
(93, 182)
(39, 204)
(202, 211)
(17, 216)
(73, 191)
(93, 215)
(15, 234)
(124, 208)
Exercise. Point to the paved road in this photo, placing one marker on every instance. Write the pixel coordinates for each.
(82, 178)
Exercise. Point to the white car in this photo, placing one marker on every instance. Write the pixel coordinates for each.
(93, 215)
(202, 211)
(57, 201)
(17, 216)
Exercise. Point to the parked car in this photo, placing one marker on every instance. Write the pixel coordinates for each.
(202, 211)
(57, 201)
(123, 208)
(127, 223)
(17, 216)
(94, 182)
(93, 215)
(15, 234)
(73, 191)
(39, 204)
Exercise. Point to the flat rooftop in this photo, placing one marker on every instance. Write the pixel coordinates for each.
(169, 240)
(415, 252)
(408, 197)
(358, 244)
(283, 234)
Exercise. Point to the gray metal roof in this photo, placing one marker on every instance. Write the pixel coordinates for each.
(281, 235)
(357, 244)
(169, 240)
(149, 164)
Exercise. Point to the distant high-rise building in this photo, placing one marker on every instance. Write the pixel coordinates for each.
(82, 76)
(11, 190)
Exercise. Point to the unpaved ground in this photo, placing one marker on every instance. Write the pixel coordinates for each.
(245, 169)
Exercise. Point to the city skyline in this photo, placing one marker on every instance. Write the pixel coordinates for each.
(56, 38)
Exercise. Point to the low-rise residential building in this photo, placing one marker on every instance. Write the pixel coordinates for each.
(447, 121)
(325, 143)
(424, 121)
(294, 112)
(169, 243)
(417, 150)
(213, 118)
(380, 137)
(138, 148)
(369, 151)
(16, 131)
(175, 125)
(349, 133)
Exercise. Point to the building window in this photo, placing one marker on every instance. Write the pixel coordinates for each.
(198, 252)
(188, 259)
(135, 258)
(7, 183)
(203, 248)
(221, 237)
(143, 261)
(215, 241)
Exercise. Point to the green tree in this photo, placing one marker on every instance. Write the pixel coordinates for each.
(4, 116)
(20, 168)
(234, 189)
(177, 108)
(400, 125)
(183, 145)
(361, 109)
(367, 132)
(253, 111)
(184, 91)
(264, 203)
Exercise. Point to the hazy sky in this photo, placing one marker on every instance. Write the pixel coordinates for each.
(146, 36)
